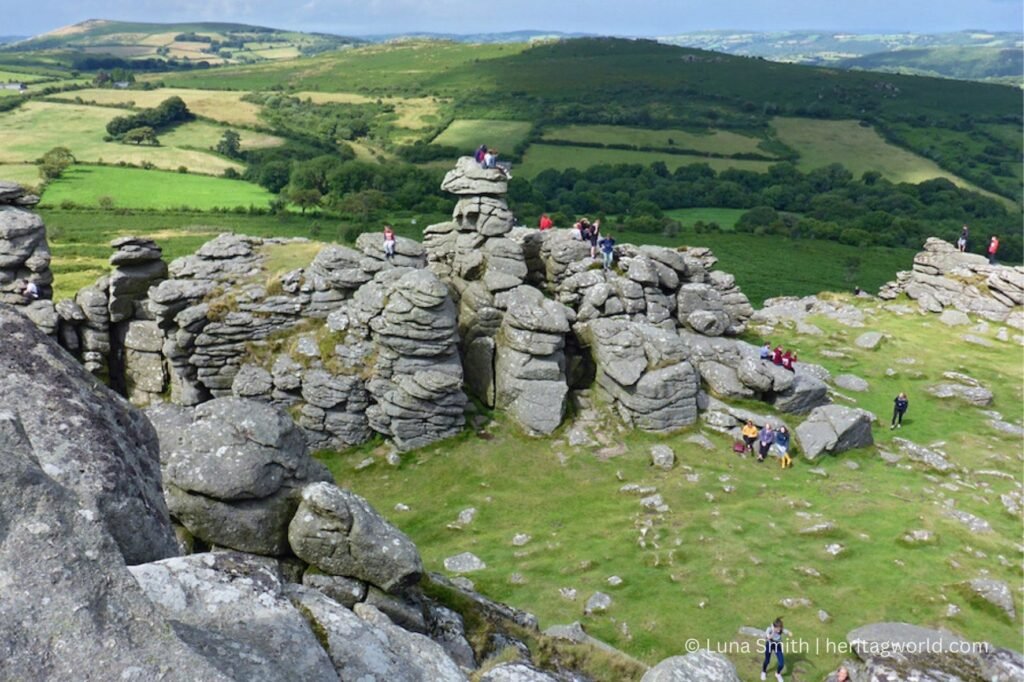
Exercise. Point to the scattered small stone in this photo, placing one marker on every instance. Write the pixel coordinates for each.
(823, 616)
(466, 562)
(851, 465)
(978, 340)
(795, 602)
(466, 517)
(995, 592)
(748, 631)
(852, 382)
(834, 549)
(464, 583)
(952, 610)
(818, 471)
(819, 529)
(393, 459)
(918, 536)
(637, 489)
(366, 463)
(401, 507)
(567, 593)
(598, 603)
(662, 457)
(517, 579)
(954, 318)
(868, 340)
(654, 503)
(612, 451)
(974, 523)
(614, 581)
(520, 539)
(808, 571)
(700, 440)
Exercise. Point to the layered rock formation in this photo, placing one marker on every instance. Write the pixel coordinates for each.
(942, 277)
(25, 256)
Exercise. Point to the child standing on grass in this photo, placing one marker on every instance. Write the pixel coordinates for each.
(773, 645)
(899, 408)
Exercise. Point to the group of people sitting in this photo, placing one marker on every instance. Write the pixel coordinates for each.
(488, 158)
(774, 442)
(778, 356)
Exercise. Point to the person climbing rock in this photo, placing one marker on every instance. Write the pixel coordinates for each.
(607, 251)
(899, 408)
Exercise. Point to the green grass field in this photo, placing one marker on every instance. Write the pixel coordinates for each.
(713, 141)
(768, 266)
(20, 77)
(220, 105)
(202, 136)
(730, 548)
(860, 149)
(543, 156)
(23, 173)
(36, 127)
(151, 189)
(725, 217)
(468, 134)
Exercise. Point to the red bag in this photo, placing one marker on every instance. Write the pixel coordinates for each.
(739, 446)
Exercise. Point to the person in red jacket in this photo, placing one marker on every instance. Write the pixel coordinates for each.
(546, 223)
(993, 246)
(777, 355)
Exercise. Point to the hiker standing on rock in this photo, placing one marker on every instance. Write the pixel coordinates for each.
(773, 645)
(608, 251)
(961, 243)
(993, 246)
(389, 242)
(899, 408)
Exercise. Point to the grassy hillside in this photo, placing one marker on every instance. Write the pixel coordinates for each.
(731, 548)
(982, 63)
(211, 42)
(36, 127)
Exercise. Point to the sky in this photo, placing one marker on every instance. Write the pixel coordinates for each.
(605, 17)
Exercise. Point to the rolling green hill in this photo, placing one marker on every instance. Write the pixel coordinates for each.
(995, 64)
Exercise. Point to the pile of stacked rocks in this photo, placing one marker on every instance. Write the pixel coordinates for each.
(943, 277)
(110, 328)
(530, 367)
(643, 370)
(25, 256)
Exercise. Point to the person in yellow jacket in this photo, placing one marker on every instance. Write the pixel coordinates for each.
(749, 433)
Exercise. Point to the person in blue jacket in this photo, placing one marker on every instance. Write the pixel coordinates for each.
(780, 448)
(607, 245)
(899, 408)
(764, 441)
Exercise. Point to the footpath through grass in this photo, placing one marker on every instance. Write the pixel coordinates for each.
(732, 547)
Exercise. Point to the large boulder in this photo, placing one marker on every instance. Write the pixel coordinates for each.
(834, 429)
(100, 446)
(469, 178)
(70, 607)
(341, 534)
(234, 606)
(900, 651)
(234, 470)
(699, 666)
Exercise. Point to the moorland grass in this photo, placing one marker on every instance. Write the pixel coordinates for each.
(540, 157)
(26, 174)
(713, 141)
(36, 127)
(730, 548)
(151, 189)
(861, 149)
(468, 134)
(725, 218)
(204, 136)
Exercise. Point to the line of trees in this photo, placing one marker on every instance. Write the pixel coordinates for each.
(143, 125)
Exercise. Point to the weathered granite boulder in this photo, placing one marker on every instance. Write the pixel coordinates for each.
(942, 278)
(700, 666)
(973, 395)
(900, 651)
(76, 608)
(234, 470)
(341, 534)
(644, 372)
(236, 604)
(469, 178)
(101, 447)
(24, 253)
(365, 645)
(529, 370)
(137, 266)
(834, 429)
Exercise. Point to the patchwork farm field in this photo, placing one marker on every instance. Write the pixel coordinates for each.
(22, 173)
(468, 134)
(861, 149)
(36, 127)
(202, 136)
(542, 156)
(713, 141)
(151, 189)
(218, 105)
